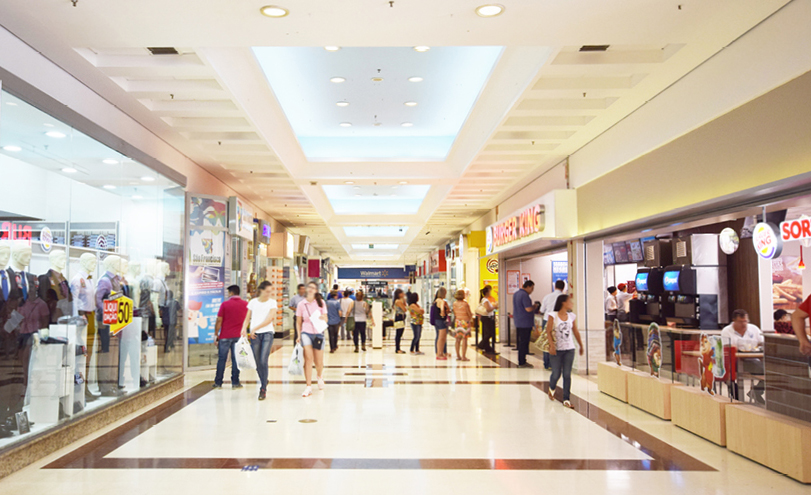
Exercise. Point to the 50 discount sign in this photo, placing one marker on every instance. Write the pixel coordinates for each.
(117, 313)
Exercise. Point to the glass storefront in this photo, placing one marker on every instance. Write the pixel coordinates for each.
(91, 250)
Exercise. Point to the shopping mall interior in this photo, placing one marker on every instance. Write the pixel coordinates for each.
(316, 246)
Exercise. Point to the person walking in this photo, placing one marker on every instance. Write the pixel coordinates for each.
(560, 328)
(439, 319)
(547, 307)
(417, 315)
(301, 293)
(334, 319)
(347, 315)
(310, 337)
(227, 331)
(400, 311)
(524, 317)
(261, 315)
(488, 321)
(463, 321)
(363, 312)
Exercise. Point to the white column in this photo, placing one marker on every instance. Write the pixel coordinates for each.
(377, 330)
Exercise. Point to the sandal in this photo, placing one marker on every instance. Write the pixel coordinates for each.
(442, 359)
(568, 404)
(307, 392)
(552, 394)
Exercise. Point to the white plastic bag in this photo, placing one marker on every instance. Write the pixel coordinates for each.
(296, 366)
(244, 353)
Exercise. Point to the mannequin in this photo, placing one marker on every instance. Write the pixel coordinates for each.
(54, 288)
(83, 291)
(134, 277)
(126, 288)
(167, 307)
(145, 304)
(7, 392)
(108, 284)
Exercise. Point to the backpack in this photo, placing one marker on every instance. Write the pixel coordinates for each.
(434, 314)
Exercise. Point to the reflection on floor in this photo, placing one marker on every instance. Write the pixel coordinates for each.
(395, 424)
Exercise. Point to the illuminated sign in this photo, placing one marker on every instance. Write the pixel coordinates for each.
(768, 244)
(795, 230)
(46, 239)
(10, 231)
(642, 281)
(672, 281)
(528, 222)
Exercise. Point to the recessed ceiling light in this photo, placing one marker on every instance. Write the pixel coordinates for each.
(11, 147)
(343, 103)
(137, 197)
(109, 186)
(332, 48)
(407, 124)
(491, 10)
(403, 182)
(48, 125)
(337, 79)
(349, 182)
(56, 134)
(357, 195)
(415, 79)
(377, 79)
(11, 104)
(147, 178)
(422, 49)
(69, 170)
(410, 103)
(378, 124)
(346, 124)
(274, 11)
(356, 187)
(110, 161)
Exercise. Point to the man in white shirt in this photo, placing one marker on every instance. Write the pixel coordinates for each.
(746, 337)
(547, 307)
(623, 302)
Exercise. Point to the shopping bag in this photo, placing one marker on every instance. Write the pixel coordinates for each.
(245, 359)
(296, 366)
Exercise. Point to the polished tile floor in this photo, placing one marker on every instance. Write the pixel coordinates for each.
(394, 424)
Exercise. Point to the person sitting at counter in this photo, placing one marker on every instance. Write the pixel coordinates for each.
(747, 338)
(782, 322)
(798, 323)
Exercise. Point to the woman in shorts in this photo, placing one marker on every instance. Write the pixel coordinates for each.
(309, 337)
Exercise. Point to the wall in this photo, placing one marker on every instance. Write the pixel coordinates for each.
(552, 179)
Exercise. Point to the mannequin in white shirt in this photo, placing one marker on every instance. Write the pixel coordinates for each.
(134, 277)
(20, 256)
(83, 288)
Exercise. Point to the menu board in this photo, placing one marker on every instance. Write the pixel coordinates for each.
(635, 251)
(620, 252)
(608, 254)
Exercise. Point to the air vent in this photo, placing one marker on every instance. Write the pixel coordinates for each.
(594, 48)
(163, 50)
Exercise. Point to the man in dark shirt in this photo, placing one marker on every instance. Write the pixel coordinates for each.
(227, 331)
(524, 317)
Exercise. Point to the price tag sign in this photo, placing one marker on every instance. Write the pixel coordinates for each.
(117, 313)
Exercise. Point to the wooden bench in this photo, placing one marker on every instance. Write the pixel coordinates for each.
(649, 393)
(699, 412)
(774, 440)
(612, 380)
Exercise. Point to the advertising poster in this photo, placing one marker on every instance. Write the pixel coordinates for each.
(513, 281)
(525, 277)
(560, 271)
(787, 283)
(208, 212)
(206, 282)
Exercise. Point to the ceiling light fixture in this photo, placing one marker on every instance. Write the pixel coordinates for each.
(343, 103)
(56, 134)
(147, 178)
(350, 182)
(110, 161)
(137, 197)
(346, 124)
(109, 186)
(490, 10)
(11, 104)
(415, 79)
(407, 124)
(48, 125)
(377, 79)
(332, 48)
(403, 182)
(410, 103)
(69, 170)
(337, 79)
(422, 49)
(12, 148)
(274, 11)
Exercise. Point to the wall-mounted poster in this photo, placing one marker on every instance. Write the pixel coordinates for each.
(513, 281)
(706, 361)
(617, 342)
(787, 283)
(208, 212)
(560, 271)
(654, 352)
(524, 277)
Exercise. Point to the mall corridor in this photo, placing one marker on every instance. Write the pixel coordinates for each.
(405, 247)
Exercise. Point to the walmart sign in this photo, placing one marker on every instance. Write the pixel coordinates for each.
(372, 273)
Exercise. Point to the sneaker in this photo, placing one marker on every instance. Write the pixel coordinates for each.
(238, 385)
(320, 383)
(307, 392)
(262, 395)
(525, 365)
(216, 386)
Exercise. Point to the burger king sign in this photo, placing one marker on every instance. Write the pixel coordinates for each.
(767, 240)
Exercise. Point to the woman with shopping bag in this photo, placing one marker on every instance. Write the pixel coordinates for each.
(261, 314)
(311, 321)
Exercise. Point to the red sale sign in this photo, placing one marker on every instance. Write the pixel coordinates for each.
(794, 230)
(110, 312)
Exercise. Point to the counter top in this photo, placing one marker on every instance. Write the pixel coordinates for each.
(665, 328)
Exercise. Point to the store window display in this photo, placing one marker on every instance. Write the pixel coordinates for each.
(111, 227)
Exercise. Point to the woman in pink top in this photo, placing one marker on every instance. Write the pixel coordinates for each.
(309, 337)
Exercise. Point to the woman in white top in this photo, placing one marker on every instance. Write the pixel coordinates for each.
(560, 328)
(348, 312)
(261, 313)
(362, 312)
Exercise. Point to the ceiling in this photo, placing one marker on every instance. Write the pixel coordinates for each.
(484, 125)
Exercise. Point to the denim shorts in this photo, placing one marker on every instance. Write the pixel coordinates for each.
(314, 340)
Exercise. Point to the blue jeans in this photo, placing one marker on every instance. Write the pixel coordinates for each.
(415, 342)
(562, 364)
(546, 362)
(523, 337)
(261, 344)
(224, 346)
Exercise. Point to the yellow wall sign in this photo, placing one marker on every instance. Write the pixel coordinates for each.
(117, 313)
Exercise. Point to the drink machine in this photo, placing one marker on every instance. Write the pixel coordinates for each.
(649, 306)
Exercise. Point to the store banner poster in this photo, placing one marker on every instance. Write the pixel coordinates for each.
(208, 212)
(513, 281)
(202, 314)
(206, 282)
(560, 271)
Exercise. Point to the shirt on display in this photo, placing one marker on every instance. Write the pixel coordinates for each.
(259, 313)
(83, 289)
(564, 332)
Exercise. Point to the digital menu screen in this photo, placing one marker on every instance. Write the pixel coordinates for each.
(608, 254)
(672, 281)
(620, 252)
(635, 251)
(642, 281)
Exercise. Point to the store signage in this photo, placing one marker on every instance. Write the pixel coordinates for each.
(10, 231)
(46, 239)
(671, 281)
(768, 243)
(560, 271)
(513, 281)
(117, 313)
(527, 222)
(492, 266)
(795, 230)
(240, 218)
(372, 273)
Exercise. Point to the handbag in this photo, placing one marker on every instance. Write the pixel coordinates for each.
(482, 309)
(399, 322)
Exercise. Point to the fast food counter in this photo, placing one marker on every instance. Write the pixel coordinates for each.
(788, 377)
